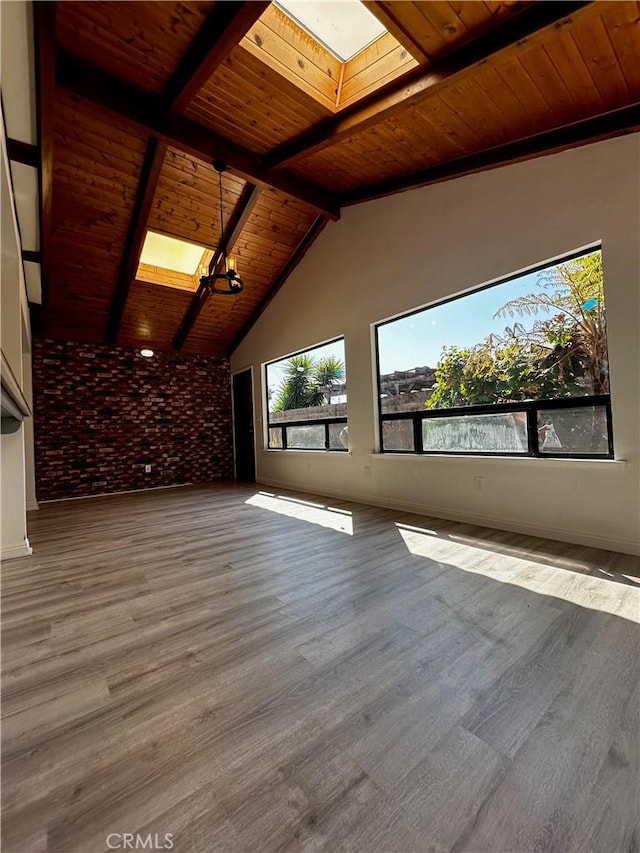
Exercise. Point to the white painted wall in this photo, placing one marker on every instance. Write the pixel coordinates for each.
(395, 254)
(15, 342)
(29, 444)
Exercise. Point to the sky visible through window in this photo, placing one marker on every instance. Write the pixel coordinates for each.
(171, 254)
(418, 340)
(344, 26)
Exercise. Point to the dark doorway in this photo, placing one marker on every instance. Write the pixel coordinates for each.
(243, 425)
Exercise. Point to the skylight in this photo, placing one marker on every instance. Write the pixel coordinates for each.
(171, 254)
(345, 27)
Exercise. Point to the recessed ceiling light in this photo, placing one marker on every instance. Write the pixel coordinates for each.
(147, 353)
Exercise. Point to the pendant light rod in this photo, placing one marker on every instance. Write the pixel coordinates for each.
(221, 167)
(234, 283)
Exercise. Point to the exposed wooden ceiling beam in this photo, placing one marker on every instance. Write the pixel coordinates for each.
(384, 13)
(224, 27)
(89, 82)
(200, 299)
(151, 168)
(409, 90)
(23, 152)
(237, 221)
(616, 123)
(44, 31)
(241, 213)
(301, 250)
(36, 318)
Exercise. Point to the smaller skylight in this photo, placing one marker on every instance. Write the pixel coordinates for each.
(345, 27)
(171, 254)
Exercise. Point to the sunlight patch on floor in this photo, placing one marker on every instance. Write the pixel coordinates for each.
(594, 592)
(334, 519)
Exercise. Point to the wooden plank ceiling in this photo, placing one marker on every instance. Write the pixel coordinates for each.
(148, 93)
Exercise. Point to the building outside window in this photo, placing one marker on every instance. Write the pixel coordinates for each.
(518, 367)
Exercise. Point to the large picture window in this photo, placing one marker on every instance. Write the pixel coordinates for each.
(516, 368)
(307, 400)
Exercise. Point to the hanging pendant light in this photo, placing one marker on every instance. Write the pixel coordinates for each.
(233, 284)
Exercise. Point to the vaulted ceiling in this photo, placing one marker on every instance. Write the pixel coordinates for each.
(137, 98)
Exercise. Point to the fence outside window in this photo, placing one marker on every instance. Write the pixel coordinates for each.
(319, 434)
(573, 427)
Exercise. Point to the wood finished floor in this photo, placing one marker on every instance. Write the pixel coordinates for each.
(252, 672)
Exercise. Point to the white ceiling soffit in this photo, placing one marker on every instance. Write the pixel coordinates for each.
(33, 281)
(10, 236)
(17, 81)
(25, 192)
(17, 70)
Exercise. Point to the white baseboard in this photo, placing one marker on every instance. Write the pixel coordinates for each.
(31, 507)
(558, 534)
(12, 552)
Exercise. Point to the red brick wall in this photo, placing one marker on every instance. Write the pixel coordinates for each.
(103, 412)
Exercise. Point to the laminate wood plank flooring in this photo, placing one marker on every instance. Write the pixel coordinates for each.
(250, 670)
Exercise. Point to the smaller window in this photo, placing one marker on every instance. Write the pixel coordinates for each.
(307, 400)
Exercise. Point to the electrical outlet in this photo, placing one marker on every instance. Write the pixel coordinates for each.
(147, 469)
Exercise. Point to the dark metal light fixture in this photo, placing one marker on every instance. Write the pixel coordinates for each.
(233, 284)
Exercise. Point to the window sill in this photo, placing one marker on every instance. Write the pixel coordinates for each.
(292, 450)
(484, 459)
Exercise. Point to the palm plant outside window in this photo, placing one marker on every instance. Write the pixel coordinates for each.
(307, 399)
